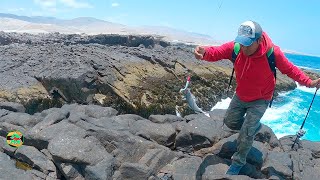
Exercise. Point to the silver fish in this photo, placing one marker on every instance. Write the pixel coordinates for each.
(191, 100)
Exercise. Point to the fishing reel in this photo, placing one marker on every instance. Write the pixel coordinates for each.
(300, 133)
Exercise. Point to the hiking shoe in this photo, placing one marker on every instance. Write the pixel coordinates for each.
(234, 169)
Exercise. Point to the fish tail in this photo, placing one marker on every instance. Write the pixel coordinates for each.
(206, 114)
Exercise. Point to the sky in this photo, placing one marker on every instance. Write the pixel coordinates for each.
(292, 25)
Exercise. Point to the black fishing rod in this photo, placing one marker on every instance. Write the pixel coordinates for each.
(300, 133)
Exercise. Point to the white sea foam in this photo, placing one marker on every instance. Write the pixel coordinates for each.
(283, 119)
(306, 89)
(309, 68)
(223, 104)
(279, 119)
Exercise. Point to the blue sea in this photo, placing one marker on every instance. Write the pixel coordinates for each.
(289, 109)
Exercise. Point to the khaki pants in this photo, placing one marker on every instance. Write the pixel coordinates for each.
(244, 116)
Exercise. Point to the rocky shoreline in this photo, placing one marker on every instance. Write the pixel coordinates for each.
(102, 107)
(133, 74)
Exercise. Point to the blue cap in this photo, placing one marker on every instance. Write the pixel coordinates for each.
(248, 32)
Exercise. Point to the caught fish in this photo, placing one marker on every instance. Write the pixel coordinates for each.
(191, 100)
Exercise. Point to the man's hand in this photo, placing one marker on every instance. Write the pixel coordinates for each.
(199, 52)
(315, 83)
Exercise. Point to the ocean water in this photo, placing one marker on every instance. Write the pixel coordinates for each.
(290, 108)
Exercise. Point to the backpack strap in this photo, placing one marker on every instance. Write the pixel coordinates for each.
(271, 61)
(272, 65)
(235, 52)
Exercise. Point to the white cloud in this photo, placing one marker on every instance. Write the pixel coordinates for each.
(52, 4)
(16, 9)
(53, 10)
(75, 4)
(115, 4)
(46, 3)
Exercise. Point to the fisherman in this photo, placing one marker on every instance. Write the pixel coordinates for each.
(255, 83)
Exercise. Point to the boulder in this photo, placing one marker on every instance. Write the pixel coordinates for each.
(228, 146)
(168, 118)
(102, 170)
(133, 171)
(278, 164)
(184, 168)
(163, 134)
(35, 159)
(70, 171)
(11, 106)
(199, 133)
(9, 171)
(98, 111)
(41, 139)
(73, 149)
(313, 146)
(52, 118)
(266, 135)
(21, 119)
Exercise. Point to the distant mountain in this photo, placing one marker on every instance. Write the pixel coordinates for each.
(33, 19)
(51, 20)
(20, 26)
(88, 25)
(175, 34)
(85, 21)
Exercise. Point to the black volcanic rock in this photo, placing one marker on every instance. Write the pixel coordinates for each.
(129, 146)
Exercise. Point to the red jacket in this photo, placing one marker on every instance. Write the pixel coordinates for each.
(255, 80)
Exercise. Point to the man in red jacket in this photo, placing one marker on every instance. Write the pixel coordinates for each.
(255, 83)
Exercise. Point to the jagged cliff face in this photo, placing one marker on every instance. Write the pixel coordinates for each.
(133, 74)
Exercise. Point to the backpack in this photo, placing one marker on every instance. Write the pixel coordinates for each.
(271, 61)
